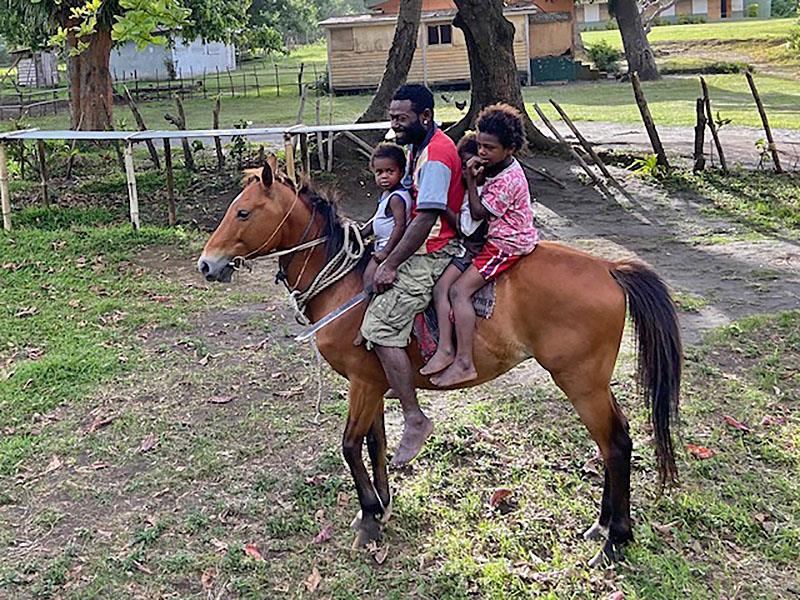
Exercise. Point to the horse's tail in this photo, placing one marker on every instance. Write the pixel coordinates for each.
(660, 354)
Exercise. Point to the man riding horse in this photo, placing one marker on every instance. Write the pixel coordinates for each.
(405, 279)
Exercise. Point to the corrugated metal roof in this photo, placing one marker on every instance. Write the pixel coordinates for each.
(374, 18)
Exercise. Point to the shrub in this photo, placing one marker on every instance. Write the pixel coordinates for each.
(690, 19)
(751, 11)
(604, 56)
(784, 8)
(794, 38)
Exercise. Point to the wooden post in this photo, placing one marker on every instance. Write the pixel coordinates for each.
(180, 123)
(71, 159)
(773, 150)
(130, 175)
(230, 79)
(712, 126)
(277, 80)
(587, 146)
(142, 127)
(300, 79)
(205, 84)
(649, 125)
(305, 158)
(320, 151)
(219, 85)
(258, 88)
(43, 171)
(699, 137)
(5, 196)
(217, 142)
(158, 86)
(572, 151)
(288, 148)
(302, 108)
(330, 133)
(244, 82)
(170, 183)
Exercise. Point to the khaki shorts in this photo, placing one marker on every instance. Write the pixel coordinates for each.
(390, 316)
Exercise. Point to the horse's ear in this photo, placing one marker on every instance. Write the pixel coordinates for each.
(272, 162)
(266, 176)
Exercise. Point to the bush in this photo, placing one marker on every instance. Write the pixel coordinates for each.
(604, 56)
(794, 38)
(751, 11)
(690, 20)
(784, 8)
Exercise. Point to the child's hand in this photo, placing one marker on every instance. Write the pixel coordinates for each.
(474, 168)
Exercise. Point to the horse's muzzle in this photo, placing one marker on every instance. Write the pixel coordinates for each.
(215, 269)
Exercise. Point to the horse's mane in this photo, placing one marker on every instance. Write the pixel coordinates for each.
(324, 202)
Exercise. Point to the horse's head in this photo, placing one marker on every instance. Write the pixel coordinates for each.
(254, 224)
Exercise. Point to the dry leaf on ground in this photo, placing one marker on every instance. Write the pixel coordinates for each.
(736, 424)
(252, 551)
(148, 443)
(220, 399)
(313, 581)
(700, 452)
(324, 534)
(498, 496)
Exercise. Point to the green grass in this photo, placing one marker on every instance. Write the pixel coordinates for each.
(723, 30)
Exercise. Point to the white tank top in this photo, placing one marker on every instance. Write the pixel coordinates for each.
(383, 223)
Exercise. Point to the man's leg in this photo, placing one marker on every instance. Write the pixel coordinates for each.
(418, 427)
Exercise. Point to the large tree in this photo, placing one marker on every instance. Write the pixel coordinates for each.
(398, 62)
(493, 70)
(638, 54)
(88, 29)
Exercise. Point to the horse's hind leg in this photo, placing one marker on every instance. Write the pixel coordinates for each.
(608, 427)
(365, 403)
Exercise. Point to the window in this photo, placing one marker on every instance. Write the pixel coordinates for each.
(440, 34)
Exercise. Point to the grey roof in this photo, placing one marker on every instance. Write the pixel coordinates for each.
(432, 15)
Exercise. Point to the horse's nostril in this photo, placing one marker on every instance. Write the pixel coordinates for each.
(204, 268)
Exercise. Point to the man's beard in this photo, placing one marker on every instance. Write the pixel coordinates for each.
(413, 134)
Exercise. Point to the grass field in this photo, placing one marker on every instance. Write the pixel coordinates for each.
(146, 442)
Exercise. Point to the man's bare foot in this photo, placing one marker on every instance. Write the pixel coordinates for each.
(456, 373)
(358, 340)
(390, 393)
(438, 362)
(415, 431)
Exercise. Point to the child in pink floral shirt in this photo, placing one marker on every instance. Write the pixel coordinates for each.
(506, 203)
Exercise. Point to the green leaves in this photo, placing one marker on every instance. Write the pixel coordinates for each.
(143, 21)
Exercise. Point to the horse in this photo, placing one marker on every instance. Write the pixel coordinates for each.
(560, 306)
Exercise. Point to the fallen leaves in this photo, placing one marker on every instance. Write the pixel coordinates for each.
(324, 534)
(379, 553)
(220, 399)
(729, 420)
(148, 443)
(99, 422)
(700, 452)
(54, 464)
(253, 552)
(208, 577)
(498, 497)
(313, 580)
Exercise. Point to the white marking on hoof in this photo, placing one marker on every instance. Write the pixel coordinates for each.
(595, 532)
(599, 560)
(387, 512)
(356, 521)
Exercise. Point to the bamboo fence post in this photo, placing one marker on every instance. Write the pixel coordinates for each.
(5, 196)
(219, 85)
(71, 159)
(330, 134)
(170, 183)
(277, 80)
(136, 81)
(305, 158)
(230, 79)
(302, 108)
(205, 83)
(699, 137)
(712, 126)
(115, 143)
(217, 142)
(587, 146)
(142, 127)
(288, 148)
(300, 79)
(772, 148)
(158, 87)
(649, 125)
(244, 83)
(130, 176)
(320, 144)
(180, 123)
(191, 80)
(43, 171)
(572, 151)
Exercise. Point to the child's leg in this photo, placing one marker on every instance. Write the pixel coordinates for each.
(445, 351)
(463, 367)
(369, 273)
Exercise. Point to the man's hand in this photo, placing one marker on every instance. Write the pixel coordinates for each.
(384, 277)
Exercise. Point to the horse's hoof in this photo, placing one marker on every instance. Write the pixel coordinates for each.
(595, 532)
(600, 560)
(356, 523)
(367, 533)
(610, 554)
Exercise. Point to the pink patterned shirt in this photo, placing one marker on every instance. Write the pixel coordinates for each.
(507, 198)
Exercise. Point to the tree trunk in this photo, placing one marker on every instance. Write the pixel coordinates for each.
(90, 93)
(493, 70)
(399, 61)
(637, 49)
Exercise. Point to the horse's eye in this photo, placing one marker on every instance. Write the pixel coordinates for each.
(242, 214)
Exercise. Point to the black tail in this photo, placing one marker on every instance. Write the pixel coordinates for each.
(660, 354)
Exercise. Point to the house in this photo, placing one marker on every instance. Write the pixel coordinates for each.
(358, 45)
(35, 68)
(595, 15)
(181, 60)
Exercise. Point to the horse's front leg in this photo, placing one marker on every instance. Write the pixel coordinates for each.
(366, 402)
(376, 445)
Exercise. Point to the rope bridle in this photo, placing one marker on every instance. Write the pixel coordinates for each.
(336, 268)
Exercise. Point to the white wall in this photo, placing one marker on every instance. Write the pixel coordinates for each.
(187, 59)
(591, 13)
(699, 7)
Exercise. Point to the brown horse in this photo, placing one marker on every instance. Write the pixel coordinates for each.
(560, 306)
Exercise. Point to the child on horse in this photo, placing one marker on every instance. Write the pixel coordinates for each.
(473, 234)
(505, 203)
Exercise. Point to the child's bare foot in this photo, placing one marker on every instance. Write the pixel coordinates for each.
(416, 430)
(358, 340)
(458, 372)
(438, 362)
(390, 393)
